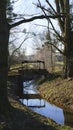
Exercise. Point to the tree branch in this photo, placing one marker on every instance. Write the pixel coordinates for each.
(34, 18)
(59, 12)
(51, 7)
(51, 43)
(60, 37)
(41, 7)
(57, 48)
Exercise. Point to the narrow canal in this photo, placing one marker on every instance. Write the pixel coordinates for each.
(34, 101)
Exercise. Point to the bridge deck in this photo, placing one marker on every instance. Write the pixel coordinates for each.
(31, 96)
(32, 61)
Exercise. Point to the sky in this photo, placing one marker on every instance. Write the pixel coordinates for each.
(27, 7)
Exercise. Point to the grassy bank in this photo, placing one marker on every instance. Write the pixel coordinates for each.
(22, 118)
(58, 91)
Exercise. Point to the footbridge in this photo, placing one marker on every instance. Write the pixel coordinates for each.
(32, 69)
(29, 70)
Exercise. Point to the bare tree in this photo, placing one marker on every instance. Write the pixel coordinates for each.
(65, 35)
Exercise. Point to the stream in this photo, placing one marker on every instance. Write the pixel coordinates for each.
(33, 100)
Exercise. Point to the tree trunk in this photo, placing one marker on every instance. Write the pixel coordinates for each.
(68, 43)
(71, 57)
(4, 37)
(68, 61)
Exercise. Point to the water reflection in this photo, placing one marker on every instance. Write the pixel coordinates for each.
(33, 103)
(52, 112)
(45, 109)
(37, 104)
(30, 87)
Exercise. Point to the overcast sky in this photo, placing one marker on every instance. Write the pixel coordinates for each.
(28, 8)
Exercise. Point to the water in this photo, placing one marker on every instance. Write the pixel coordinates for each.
(44, 108)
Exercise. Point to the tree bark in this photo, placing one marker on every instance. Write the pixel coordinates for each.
(68, 42)
(4, 37)
(70, 57)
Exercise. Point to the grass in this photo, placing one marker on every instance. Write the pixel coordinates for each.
(58, 91)
(59, 63)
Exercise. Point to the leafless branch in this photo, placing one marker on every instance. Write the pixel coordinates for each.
(52, 43)
(34, 18)
(60, 37)
(51, 7)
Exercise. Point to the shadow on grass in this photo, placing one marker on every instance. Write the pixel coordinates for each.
(19, 119)
(49, 77)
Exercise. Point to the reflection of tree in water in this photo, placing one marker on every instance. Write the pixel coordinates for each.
(20, 86)
(68, 118)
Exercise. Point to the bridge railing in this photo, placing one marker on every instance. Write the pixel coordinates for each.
(35, 63)
(26, 64)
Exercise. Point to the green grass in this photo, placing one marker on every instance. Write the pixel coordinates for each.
(59, 63)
